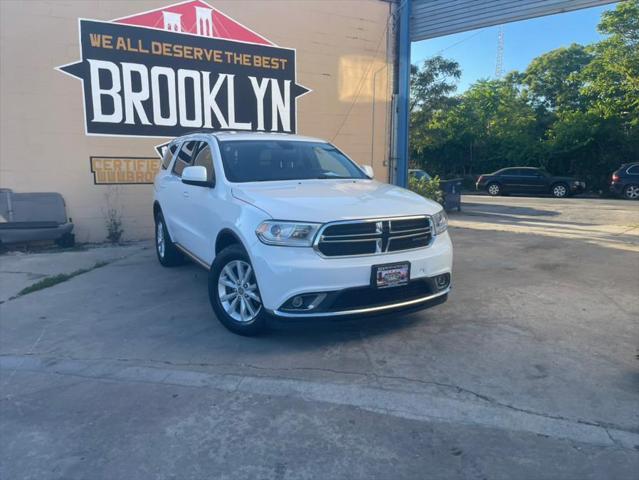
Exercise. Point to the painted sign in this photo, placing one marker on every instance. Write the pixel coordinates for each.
(181, 68)
(124, 170)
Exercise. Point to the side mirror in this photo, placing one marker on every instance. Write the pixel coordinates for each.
(196, 176)
(368, 170)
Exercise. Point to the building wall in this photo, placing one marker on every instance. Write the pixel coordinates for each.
(342, 55)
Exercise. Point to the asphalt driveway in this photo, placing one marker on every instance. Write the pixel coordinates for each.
(529, 370)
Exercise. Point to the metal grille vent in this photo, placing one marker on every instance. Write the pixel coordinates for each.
(374, 237)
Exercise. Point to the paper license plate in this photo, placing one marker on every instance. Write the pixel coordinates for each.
(391, 275)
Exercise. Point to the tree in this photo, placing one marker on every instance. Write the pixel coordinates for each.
(431, 87)
(612, 77)
(554, 79)
(574, 110)
(432, 84)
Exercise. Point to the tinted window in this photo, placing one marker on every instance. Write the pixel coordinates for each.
(269, 160)
(184, 157)
(203, 158)
(509, 171)
(633, 170)
(530, 172)
(169, 151)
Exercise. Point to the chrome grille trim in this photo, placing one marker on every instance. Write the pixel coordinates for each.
(383, 237)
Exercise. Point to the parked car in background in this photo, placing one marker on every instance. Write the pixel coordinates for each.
(625, 181)
(419, 174)
(528, 180)
(291, 228)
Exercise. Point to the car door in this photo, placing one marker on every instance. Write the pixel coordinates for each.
(201, 207)
(163, 178)
(540, 182)
(531, 181)
(173, 206)
(510, 180)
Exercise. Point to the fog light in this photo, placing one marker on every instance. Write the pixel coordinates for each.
(442, 281)
(305, 302)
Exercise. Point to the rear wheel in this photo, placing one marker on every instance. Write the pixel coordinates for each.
(559, 190)
(631, 192)
(494, 189)
(234, 293)
(66, 241)
(167, 252)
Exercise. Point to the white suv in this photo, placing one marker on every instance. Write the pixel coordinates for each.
(292, 229)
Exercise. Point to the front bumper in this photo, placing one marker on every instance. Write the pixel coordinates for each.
(284, 272)
(374, 308)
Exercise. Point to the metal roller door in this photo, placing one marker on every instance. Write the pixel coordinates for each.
(436, 18)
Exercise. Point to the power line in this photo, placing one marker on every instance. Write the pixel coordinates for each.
(458, 42)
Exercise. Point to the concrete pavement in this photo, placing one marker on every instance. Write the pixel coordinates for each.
(528, 371)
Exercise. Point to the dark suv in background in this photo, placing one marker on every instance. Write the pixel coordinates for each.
(528, 180)
(625, 181)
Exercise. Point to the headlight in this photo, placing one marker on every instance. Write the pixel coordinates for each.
(440, 222)
(292, 234)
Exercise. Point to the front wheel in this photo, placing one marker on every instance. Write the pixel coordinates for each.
(494, 189)
(631, 192)
(234, 293)
(559, 190)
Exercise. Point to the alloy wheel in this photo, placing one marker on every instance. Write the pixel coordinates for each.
(238, 293)
(159, 238)
(632, 192)
(559, 191)
(493, 189)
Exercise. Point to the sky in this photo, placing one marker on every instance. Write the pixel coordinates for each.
(476, 51)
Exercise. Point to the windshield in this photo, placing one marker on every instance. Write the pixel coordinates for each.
(269, 160)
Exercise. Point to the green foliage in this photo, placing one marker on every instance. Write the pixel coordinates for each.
(427, 188)
(573, 111)
(113, 223)
(432, 84)
(56, 279)
(554, 78)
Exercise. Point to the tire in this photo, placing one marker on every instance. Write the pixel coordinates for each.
(167, 252)
(66, 241)
(237, 305)
(631, 192)
(494, 189)
(559, 190)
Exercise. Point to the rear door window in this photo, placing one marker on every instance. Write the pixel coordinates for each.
(633, 170)
(185, 157)
(169, 151)
(510, 172)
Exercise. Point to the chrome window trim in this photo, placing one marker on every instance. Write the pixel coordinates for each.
(319, 235)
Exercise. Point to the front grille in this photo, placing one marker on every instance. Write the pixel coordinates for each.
(374, 237)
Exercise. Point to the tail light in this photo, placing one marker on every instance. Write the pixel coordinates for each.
(615, 177)
(481, 177)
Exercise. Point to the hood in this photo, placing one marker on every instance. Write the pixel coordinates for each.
(330, 200)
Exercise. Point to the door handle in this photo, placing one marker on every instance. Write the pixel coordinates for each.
(185, 194)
